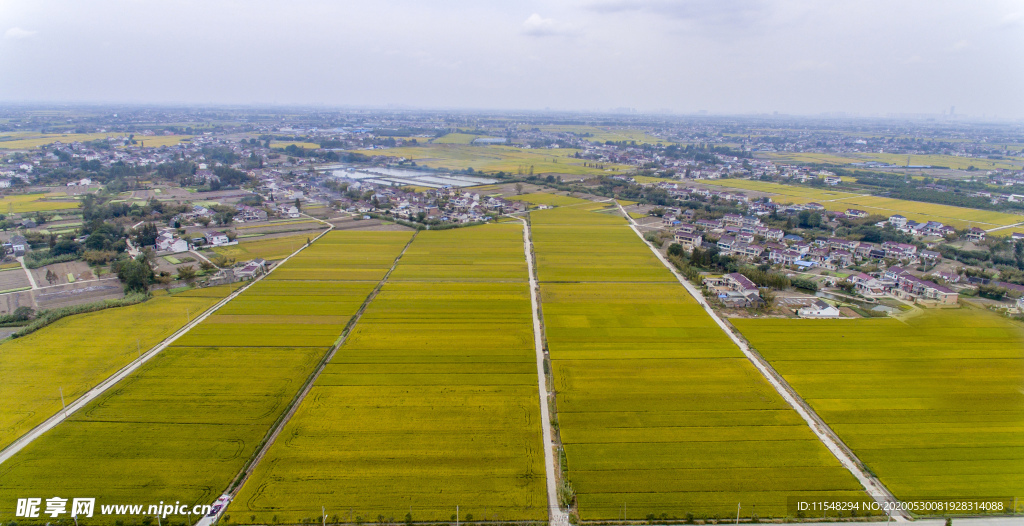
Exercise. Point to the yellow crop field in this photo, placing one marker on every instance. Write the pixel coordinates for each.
(932, 405)
(604, 133)
(187, 421)
(156, 141)
(492, 159)
(78, 352)
(813, 194)
(841, 201)
(30, 141)
(27, 203)
(431, 403)
(948, 161)
(951, 215)
(269, 248)
(456, 138)
(659, 412)
(300, 144)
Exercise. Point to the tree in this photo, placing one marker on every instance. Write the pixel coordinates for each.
(206, 265)
(135, 274)
(22, 313)
(203, 220)
(519, 188)
(51, 277)
(298, 204)
(187, 273)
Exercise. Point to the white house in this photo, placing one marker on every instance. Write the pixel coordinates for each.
(217, 238)
(818, 309)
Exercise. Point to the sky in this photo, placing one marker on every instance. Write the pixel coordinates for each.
(864, 57)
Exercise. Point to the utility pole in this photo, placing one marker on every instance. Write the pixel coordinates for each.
(737, 513)
(62, 402)
(456, 515)
(138, 347)
(323, 514)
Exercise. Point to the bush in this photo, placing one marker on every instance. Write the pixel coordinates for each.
(43, 258)
(805, 284)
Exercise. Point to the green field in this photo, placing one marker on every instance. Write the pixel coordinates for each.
(659, 412)
(78, 352)
(430, 404)
(934, 406)
(183, 425)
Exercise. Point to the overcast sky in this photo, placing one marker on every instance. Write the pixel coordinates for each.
(722, 56)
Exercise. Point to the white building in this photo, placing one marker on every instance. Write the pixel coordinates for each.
(818, 309)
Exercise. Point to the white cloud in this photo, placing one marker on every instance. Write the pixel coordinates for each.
(538, 26)
(17, 33)
(1011, 19)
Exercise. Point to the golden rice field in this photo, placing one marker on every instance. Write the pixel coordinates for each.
(658, 411)
(557, 200)
(841, 201)
(456, 138)
(78, 352)
(948, 161)
(603, 133)
(28, 203)
(182, 426)
(934, 405)
(300, 144)
(431, 403)
(267, 248)
(496, 158)
(30, 141)
(790, 191)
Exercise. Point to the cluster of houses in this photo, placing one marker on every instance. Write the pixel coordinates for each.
(896, 281)
(745, 237)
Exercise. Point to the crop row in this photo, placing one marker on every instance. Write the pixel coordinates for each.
(78, 352)
(932, 405)
(658, 411)
(182, 426)
(430, 404)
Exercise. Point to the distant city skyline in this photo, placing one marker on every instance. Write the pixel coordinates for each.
(870, 58)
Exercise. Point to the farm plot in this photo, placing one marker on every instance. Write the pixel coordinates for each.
(491, 159)
(933, 406)
(184, 425)
(659, 413)
(956, 216)
(20, 204)
(430, 404)
(78, 352)
(271, 248)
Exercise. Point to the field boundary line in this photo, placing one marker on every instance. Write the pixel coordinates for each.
(112, 380)
(555, 515)
(275, 430)
(825, 434)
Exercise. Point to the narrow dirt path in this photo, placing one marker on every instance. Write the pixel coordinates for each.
(556, 516)
(825, 434)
